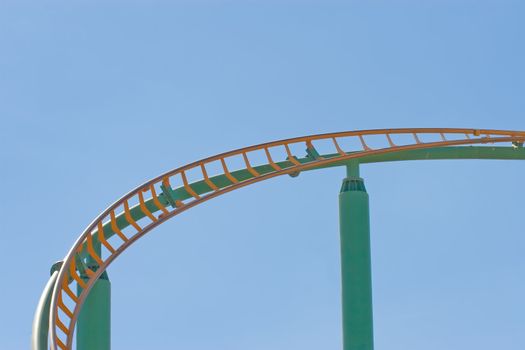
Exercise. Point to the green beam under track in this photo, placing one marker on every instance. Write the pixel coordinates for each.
(200, 187)
(440, 153)
(354, 224)
(437, 153)
(94, 320)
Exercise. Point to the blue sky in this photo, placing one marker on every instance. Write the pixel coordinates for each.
(97, 97)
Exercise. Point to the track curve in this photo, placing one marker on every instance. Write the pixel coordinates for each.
(134, 215)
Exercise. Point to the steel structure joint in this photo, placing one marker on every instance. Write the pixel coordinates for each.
(312, 152)
(353, 184)
(56, 267)
(169, 195)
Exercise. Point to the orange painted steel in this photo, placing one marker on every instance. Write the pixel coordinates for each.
(227, 172)
(63, 320)
(187, 187)
(156, 199)
(91, 250)
(142, 207)
(113, 220)
(207, 179)
(102, 239)
(291, 157)
(128, 217)
(69, 292)
(249, 166)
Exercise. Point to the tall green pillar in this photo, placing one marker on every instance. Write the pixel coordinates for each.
(354, 225)
(94, 320)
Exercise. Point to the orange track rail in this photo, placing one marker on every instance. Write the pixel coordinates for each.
(66, 305)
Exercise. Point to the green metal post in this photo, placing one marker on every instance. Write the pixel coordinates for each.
(355, 262)
(93, 325)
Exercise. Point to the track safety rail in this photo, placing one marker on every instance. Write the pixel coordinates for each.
(156, 201)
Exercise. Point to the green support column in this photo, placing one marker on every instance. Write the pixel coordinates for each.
(355, 262)
(94, 321)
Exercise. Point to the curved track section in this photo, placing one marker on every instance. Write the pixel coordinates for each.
(178, 190)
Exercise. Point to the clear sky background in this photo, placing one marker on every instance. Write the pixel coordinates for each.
(98, 96)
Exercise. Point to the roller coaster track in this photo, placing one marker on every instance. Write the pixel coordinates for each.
(178, 190)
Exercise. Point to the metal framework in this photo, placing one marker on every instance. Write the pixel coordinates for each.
(178, 190)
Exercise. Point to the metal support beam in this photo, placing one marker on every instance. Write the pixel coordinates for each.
(94, 321)
(40, 330)
(355, 262)
(39, 334)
